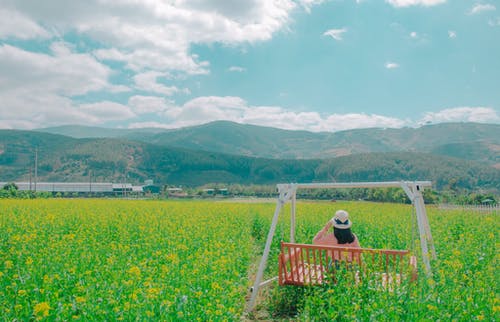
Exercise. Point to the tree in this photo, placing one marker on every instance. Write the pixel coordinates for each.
(11, 186)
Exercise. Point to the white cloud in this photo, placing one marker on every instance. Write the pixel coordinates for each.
(155, 34)
(118, 88)
(230, 108)
(107, 111)
(335, 33)
(308, 4)
(408, 3)
(63, 72)
(391, 65)
(237, 69)
(141, 125)
(148, 104)
(211, 108)
(452, 34)
(16, 25)
(207, 108)
(225, 102)
(413, 34)
(141, 59)
(17, 124)
(339, 122)
(28, 110)
(478, 8)
(148, 82)
(152, 38)
(36, 88)
(463, 114)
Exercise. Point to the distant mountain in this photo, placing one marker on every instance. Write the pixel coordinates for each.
(62, 158)
(81, 131)
(469, 141)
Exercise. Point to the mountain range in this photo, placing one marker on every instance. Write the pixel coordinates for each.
(465, 155)
(470, 141)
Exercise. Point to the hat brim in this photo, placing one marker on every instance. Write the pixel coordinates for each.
(343, 226)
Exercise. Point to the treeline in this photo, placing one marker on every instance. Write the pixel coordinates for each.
(394, 195)
(195, 168)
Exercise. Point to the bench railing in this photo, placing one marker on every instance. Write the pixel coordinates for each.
(303, 264)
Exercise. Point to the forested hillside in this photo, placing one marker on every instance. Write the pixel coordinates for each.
(62, 158)
(469, 141)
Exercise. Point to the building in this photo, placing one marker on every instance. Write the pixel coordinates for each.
(77, 187)
(63, 186)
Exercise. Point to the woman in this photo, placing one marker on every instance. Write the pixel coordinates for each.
(341, 236)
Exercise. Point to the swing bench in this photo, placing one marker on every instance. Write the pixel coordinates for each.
(304, 264)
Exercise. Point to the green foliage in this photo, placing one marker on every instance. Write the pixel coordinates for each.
(463, 287)
(117, 160)
(112, 260)
(286, 302)
(259, 229)
(176, 261)
(477, 199)
(10, 186)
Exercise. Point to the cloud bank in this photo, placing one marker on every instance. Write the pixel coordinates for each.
(151, 41)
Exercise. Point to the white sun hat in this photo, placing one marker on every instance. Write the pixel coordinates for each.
(341, 220)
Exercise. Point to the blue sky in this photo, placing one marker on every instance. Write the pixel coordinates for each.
(306, 64)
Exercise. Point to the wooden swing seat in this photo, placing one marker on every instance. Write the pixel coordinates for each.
(304, 264)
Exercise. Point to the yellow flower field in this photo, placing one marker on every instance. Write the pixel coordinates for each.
(192, 260)
(111, 259)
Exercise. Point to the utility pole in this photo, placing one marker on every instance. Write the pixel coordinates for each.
(36, 166)
(31, 171)
(90, 182)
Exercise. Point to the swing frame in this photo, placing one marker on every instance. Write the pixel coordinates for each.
(288, 192)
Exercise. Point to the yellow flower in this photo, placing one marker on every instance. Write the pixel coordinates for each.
(21, 292)
(153, 292)
(29, 261)
(9, 264)
(431, 307)
(42, 309)
(134, 270)
(80, 299)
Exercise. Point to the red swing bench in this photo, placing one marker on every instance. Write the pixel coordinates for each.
(304, 264)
